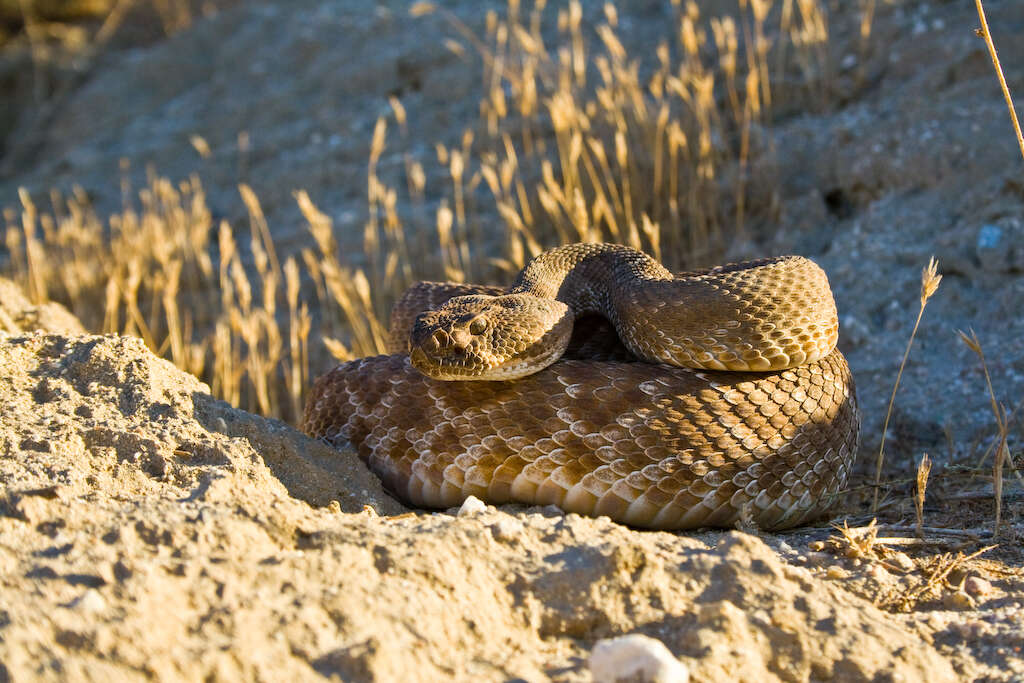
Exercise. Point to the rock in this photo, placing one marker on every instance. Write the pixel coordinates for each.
(103, 415)
(635, 658)
(958, 600)
(91, 602)
(902, 560)
(991, 248)
(878, 572)
(471, 506)
(977, 586)
(835, 572)
(506, 529)
(998, 245)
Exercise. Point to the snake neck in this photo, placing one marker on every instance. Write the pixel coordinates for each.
(582, 276)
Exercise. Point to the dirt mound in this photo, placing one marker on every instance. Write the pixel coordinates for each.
(152, 530)
(18, 314)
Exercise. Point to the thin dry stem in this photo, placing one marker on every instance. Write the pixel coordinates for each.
(984, 33)
(1002, 452)
(923, 469)
(930, 280)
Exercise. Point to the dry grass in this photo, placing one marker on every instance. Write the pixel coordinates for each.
(1002, 451)
(151, 271)
(930, 280)
(107, 15)
(572, 144)
(923, 469)
(986, 34)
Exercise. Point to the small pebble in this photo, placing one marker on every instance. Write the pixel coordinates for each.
(471, 506)
(506, 529)
(816, 546)
(819, 559)
(977, 586)
(991, 248)
(878, 572)
(902, 560)
(90, 601)
(989, 236)
(635, 658)
(836, 572)
(968, 630)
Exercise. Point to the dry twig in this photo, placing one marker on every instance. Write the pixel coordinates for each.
(984, 33)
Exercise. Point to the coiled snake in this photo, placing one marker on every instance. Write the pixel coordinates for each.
(741, 407)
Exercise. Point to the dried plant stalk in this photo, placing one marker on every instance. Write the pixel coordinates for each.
(923, 469)
(1002, 452)
(930, 280)
(984, 33)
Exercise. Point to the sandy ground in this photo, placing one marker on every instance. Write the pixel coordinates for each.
(152, 531)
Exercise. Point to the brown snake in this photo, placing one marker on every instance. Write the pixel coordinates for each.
(765, 431)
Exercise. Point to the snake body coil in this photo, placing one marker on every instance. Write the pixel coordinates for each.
(766, 433)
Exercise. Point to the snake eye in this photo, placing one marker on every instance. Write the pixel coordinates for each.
(477, 326)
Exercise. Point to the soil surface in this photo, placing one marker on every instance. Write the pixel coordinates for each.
(148, 530)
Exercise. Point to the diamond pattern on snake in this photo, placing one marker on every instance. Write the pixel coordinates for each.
(602, 383)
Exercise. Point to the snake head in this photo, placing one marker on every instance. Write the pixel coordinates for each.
(490, 337)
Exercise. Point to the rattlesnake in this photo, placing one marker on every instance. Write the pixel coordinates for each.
(761, 425)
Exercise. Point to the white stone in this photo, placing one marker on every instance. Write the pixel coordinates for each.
(635, 657)
(507, 529)
(471, 506)
(91, 602)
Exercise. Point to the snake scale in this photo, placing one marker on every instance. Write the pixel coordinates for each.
(602, 383)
